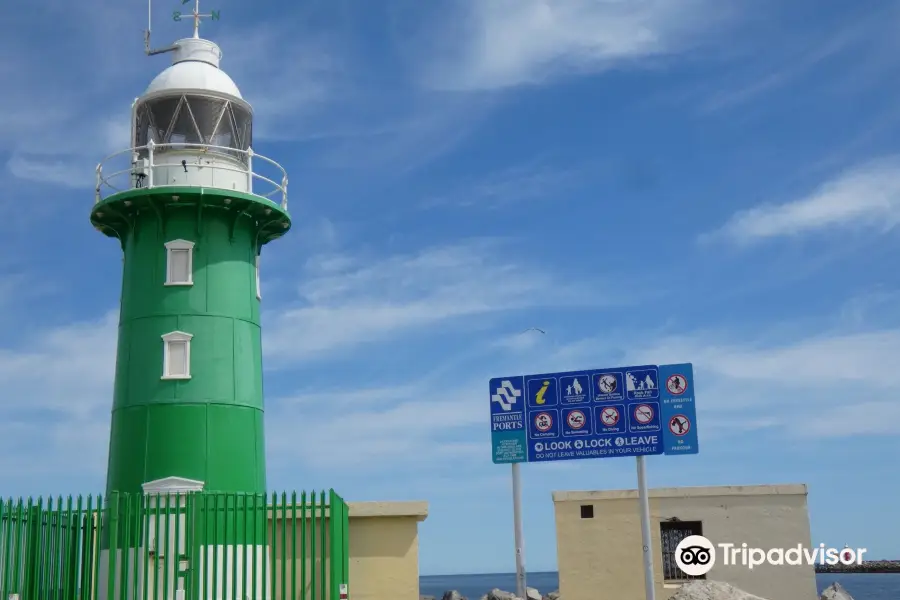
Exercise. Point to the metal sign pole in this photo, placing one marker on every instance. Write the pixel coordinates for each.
(520, 536)
(644, 501)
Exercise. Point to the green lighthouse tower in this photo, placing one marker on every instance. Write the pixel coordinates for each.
(192, 206)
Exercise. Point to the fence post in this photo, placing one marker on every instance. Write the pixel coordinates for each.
(112, 510)
(304, 509)
(333, 535)
(323, 555)
(33, 546)
(340, 553)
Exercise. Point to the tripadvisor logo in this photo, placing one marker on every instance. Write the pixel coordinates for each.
(695, 555)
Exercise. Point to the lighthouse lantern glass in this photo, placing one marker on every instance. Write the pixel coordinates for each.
(194, 119)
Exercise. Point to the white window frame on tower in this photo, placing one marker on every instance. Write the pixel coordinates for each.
(258, 293)
(169, 339)
(180, 246)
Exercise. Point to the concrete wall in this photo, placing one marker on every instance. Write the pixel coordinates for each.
(605, 552)
(384, 551)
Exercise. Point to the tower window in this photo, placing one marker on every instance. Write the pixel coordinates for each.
(177, 355)
(179, 262)
(258, 295)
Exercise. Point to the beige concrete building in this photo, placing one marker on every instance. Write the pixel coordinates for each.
(599, 549)
(384, 550)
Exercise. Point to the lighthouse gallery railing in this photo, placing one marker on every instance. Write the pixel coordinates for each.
(220, 545)
(140, 172)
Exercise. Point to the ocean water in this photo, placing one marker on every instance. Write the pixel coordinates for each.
(861, 586)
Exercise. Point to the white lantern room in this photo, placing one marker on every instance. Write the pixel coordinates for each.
(194, 125)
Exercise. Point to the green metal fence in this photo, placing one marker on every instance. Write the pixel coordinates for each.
(194, 546)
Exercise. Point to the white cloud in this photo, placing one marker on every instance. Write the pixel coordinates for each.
(854, 418)
(802, 386)
(365, 301)
(786, 58)
(313, 84)
(878, 302)
(818, 387)
(55, 119)
(531, 181)
(523, 341)
(68, 370)
(816, 362)
(288, 75)
(493, 44)
(399, 130)
(64, 115)
(866, 195)
(390, 426)
(57, 394)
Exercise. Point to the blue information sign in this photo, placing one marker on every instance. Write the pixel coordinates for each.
(623, 411)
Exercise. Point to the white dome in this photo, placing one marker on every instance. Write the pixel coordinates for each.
(194, 75)
(195, 66)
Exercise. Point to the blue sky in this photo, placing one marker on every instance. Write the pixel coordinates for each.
(648, 181)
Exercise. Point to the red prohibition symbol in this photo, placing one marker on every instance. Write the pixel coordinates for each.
(679, 425)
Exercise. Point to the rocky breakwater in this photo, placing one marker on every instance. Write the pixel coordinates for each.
(866, 566)
(692, 590)
(497, 594)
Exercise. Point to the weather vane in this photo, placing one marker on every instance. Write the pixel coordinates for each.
(177, 15)
(212, 15)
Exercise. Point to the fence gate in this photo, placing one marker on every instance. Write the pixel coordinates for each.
(194, 546)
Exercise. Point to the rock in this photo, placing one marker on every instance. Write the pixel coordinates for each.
(552, 596)
(498, 594)
(452, 595)
(426, 597)
(711, 590)
(835, 591)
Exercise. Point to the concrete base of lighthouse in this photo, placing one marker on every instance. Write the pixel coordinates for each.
(170, 561)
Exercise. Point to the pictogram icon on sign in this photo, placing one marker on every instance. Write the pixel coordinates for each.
(676, 384)
(679, 425)
(543, 421)
(607, 383)
(610, 416)
(643, 413)
(576, 419)
(539, 398)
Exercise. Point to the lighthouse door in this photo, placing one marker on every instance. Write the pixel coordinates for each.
(171, 543)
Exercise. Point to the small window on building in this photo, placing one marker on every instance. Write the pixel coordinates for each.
(179, 262)
(258, 295)
(587, 511)
(671, 533)
(177, 355)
